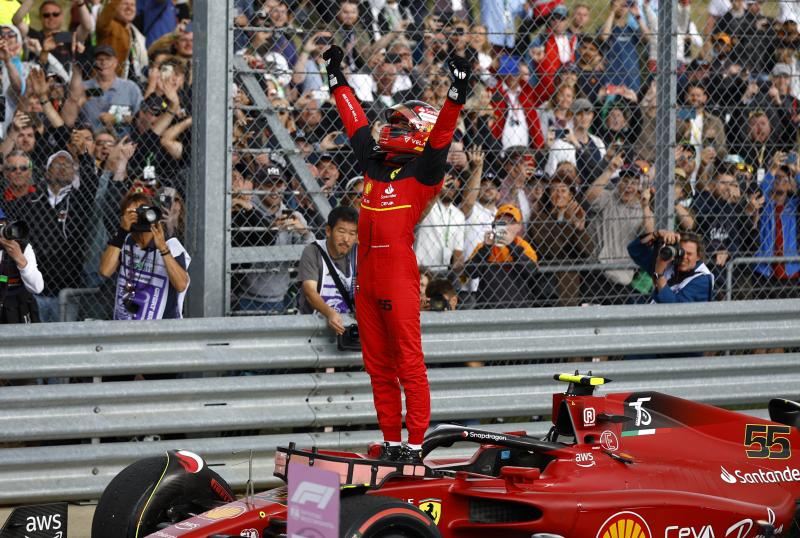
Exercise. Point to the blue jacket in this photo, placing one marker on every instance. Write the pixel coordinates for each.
(699, 290)
(158, 18)
(766, 229)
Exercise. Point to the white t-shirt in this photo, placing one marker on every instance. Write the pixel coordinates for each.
(515, 130)
(478, 223)
(718, 8)
(789, 10)
(562, 151)
(440, 233)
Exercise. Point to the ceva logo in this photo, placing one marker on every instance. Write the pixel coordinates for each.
(727, 477)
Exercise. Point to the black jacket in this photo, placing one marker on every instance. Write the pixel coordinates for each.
(60, 234)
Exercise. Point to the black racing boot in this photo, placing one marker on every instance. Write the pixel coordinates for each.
(410, 455)
(390, 452)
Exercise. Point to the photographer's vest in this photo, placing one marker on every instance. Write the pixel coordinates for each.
(326, 286)
(17, 304)
(699, 271)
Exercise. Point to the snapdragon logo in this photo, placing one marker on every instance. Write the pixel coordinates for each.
(760, 477)
(491, 436)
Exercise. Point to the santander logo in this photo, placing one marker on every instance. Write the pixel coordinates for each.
(389, 190)
(727, 477)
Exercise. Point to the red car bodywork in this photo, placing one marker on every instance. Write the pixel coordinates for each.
(632, 465)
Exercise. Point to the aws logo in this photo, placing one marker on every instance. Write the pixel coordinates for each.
(625, 525)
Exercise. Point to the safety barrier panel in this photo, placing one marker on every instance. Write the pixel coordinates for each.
(289, 390)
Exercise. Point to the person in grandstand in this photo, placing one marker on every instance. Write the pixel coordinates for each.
(20, 279)
(152, 276)
(403, 172)
(505, 263)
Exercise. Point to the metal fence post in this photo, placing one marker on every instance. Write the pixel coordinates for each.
(666, 92)
(210, 158)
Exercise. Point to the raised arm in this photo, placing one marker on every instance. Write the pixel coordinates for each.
(355, 121)
(476, 157)
(434, 156)
(19, 17)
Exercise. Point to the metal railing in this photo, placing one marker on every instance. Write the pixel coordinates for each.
(291, 392)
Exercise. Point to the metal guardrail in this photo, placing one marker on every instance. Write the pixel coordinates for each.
(729, 268)
(306, 400)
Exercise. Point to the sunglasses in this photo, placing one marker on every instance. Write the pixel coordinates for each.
(51, 14)
(20, 168)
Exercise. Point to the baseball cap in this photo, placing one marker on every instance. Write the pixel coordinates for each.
(314, 158)
(630, 170)
(492, 178)
(56, 155)
(560, 12)
(509, 209)
(108, 50)
(268, 174)
(581, 105)
(781, 69)
(155, 104)
(509, 65)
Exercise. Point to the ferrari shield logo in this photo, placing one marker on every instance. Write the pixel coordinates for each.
(432, 507)
(368, 188)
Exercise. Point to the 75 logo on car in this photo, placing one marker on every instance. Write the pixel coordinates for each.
(767, 441)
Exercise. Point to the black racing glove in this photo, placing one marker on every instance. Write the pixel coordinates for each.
(460, 70)
(333, 58)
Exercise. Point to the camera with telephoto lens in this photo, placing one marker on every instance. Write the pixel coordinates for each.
(146, 216)
(671, 252)
(349, 341)
(13, 231)
(438, 303)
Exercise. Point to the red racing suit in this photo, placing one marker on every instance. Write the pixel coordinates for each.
(387, 277)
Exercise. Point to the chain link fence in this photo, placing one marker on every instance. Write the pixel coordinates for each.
(96, 105)
(555, 153)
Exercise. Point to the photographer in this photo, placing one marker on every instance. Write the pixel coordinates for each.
(19, 278)
(676, 264)
(441, 296)
(328, 267)
(152, 278)
(504, 262)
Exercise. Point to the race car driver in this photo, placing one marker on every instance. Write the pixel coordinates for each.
(402, 173)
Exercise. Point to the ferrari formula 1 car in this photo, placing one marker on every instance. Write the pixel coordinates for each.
(626, 465)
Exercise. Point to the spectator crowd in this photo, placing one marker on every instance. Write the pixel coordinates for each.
(550, 176)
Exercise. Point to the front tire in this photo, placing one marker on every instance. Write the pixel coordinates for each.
(374, 516)
(126, 497)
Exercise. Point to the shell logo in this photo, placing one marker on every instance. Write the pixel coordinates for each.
(368, 188)
(625, 525)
